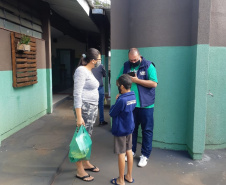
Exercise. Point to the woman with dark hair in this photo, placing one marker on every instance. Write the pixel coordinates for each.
(86, 98)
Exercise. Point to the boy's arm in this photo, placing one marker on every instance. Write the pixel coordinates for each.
(116, 108)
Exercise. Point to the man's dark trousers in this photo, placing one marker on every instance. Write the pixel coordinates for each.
(143, 116)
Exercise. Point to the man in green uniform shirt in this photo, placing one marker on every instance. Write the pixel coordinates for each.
(144, 77)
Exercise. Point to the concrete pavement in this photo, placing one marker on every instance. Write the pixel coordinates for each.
(37, 155)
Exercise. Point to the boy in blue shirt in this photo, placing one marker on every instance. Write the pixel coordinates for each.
(122, 128)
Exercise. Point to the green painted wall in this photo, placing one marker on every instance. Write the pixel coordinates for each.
(216, 112)
(106, 81)
(21, 106)
(174, 68)
(196, 135)
(191, 109)
(186, 117)
(49, 91)
(118, 57)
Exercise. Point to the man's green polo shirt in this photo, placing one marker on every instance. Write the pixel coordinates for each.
(152, 75)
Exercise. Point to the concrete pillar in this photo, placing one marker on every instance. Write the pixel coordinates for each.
(47, 37)
(104, 50)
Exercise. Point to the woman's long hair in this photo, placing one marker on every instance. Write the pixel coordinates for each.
(91, 54)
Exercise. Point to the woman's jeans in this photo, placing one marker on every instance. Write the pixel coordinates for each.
(143, 117)
(101, 103)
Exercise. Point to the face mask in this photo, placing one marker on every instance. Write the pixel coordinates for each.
(97, 64)
(135, 64)
(119, 90)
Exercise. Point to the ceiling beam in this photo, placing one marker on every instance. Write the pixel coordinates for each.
(64, 26)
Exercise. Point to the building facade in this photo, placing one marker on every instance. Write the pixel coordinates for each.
(59, 36)
(186, 41)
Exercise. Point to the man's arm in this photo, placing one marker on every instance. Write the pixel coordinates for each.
(152, 78)
(145, 83)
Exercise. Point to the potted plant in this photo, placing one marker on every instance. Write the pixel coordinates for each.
(23, 43)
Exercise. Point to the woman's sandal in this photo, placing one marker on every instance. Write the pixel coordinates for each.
(92, 169)
(83, 178)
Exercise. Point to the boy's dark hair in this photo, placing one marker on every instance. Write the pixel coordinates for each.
(125, 80)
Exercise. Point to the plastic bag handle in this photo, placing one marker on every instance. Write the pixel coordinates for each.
(77, 129)
(82, 127)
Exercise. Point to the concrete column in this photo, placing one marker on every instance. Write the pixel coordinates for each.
(196, 145)
(104, 51)
(47, 37)
(107, 36)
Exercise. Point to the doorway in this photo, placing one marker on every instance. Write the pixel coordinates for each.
(63, 67)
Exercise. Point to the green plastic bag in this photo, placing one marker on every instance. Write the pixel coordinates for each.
(80, 146)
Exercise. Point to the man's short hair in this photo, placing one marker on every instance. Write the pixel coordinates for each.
(133, 51)
(125, 80)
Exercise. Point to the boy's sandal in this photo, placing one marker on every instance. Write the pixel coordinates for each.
(127, 180)
(83, 178)
(92, 169)
(114, 181)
